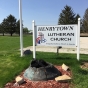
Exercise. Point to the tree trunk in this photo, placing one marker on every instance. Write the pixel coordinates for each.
(11, 34)
(19, 34)
(3, 33)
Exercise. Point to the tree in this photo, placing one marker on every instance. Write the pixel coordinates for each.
(11, 20)
(76, 18)
(25, 30)
(67, 16)
(0, 28)
(85, 21)
(9, 24)
(18, 27)
(3, 26)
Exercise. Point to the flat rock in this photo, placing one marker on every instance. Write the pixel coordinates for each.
(19, 80)
(65, 67)
(63, 78)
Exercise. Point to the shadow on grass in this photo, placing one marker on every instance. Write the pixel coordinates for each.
(83, 72)
(63, 58)
(84, 60)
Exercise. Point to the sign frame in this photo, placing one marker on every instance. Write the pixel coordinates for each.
(55, 36)
(77, 35)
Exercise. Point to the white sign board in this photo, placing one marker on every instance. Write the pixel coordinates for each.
(60, 35)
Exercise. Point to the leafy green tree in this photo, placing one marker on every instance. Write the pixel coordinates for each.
(3, 26)
(11, 20)
(76, 18)
(9, 24)
(85, 21)
(0, 28)
(67, 16)
(25, 30)
(18, 27)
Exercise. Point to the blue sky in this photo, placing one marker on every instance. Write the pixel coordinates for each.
(44, 12)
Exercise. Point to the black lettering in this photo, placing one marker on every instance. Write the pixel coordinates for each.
(48, 28)
(51, 39)
(62, 39)
(71, 27)
(50, 34)
(53, 28)
(69, 39)
(71, 34)
(41, 29)
(64, 34)
(65, 28)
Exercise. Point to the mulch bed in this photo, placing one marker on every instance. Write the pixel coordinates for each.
(42, 84)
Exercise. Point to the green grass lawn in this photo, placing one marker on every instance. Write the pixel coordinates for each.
(8, 43)
(11, 64)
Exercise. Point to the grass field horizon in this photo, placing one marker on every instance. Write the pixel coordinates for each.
(11, 64)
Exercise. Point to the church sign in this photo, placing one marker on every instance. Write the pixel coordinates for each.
(60, 35)
(56, 35)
